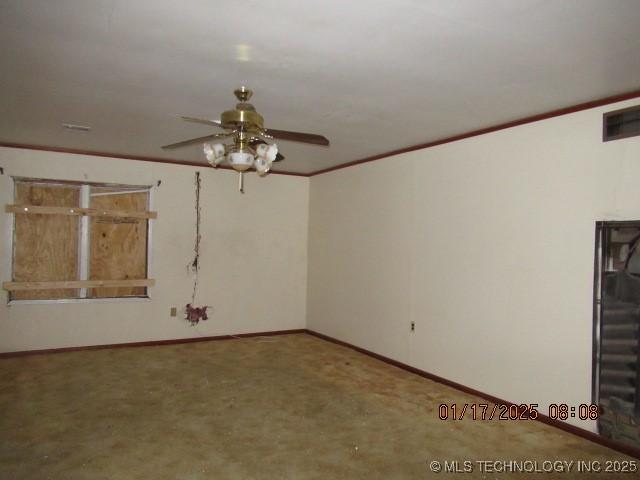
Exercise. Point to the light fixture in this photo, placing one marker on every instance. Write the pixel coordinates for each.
(242, 156)
(240, 161)
(250, 146)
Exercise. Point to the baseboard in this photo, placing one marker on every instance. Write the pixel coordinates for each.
(151, 343)
(580, 432)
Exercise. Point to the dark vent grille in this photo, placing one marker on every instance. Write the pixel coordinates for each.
(621, 124)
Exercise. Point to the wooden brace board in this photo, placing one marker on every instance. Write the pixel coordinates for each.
(16, 286)
(92, 212)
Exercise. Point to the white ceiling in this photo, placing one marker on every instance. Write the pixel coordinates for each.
(372, 76)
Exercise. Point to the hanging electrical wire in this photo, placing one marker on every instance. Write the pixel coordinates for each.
(195, 265)
(194, 314)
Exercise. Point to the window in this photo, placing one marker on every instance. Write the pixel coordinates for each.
(616, 359)
(79, 240)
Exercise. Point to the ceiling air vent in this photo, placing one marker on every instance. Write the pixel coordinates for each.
(77, 128)
(621, 124)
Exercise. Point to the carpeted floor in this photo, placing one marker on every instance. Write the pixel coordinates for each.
(286, 407)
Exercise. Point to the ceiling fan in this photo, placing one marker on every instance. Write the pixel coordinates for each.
(250, 147)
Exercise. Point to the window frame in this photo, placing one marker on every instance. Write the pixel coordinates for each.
(84, 239)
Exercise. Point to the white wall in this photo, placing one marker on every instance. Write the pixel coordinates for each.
(253, 255)
(486, 243)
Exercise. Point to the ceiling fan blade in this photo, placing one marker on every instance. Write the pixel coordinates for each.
(196, 140)
(205, 121)
(297, 136)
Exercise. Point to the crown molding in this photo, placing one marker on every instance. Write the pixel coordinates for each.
(474, 133)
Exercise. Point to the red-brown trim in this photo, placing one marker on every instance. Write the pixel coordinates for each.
(474, 133)
(151, 343)
(580, 432)
(122, 156)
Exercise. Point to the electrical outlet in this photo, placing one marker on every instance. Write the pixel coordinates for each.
(174, 311)
(413, 326)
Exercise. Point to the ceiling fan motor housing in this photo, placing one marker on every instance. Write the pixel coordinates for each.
(248, 119)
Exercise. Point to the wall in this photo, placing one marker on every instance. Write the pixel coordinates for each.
(486, 243)
(253, 255)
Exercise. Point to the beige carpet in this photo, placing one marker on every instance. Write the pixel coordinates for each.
(287, 407)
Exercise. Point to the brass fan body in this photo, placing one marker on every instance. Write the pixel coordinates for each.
(246, 126)
(243, 121)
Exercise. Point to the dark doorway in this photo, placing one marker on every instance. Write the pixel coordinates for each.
(616, 353)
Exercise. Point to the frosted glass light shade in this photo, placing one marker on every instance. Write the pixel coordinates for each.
(262, 166)
(267, 151)
(214, 153)
(261, 150)
(272, 152)
(240, 161)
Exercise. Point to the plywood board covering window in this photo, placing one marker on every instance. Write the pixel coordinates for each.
(118, 249)
(45, 246)
(93, 239)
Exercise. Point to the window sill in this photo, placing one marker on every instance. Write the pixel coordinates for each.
(80, 300)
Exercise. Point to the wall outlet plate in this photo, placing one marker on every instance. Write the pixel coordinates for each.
(173, 311)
